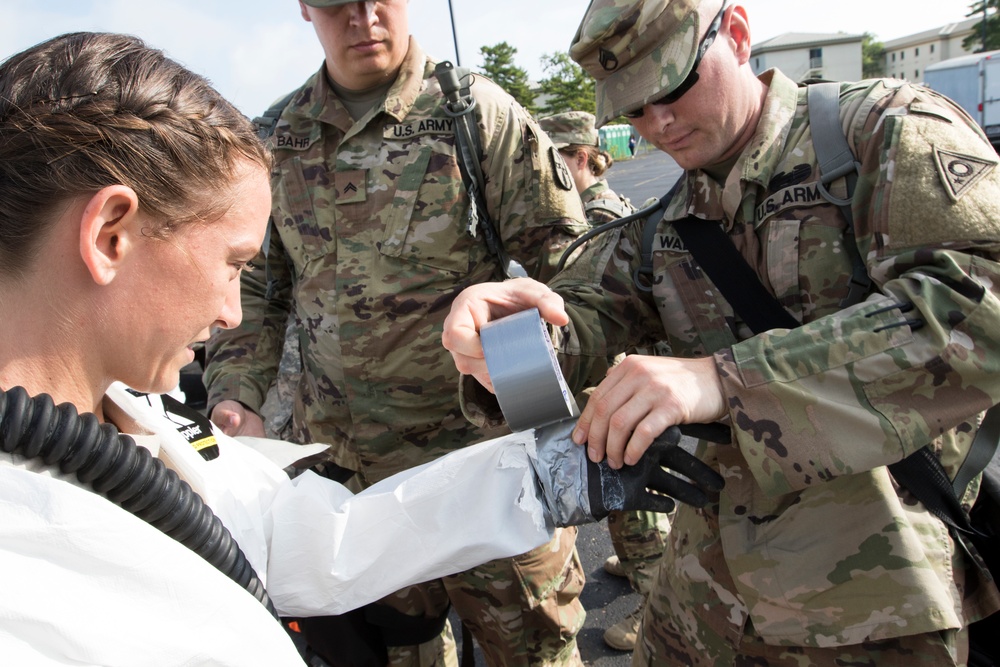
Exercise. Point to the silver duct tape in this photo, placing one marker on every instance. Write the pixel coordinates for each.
(533, 394)
(561, 468)
(526, 377)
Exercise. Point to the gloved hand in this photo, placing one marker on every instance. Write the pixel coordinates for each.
(575, 490)
(631, 487)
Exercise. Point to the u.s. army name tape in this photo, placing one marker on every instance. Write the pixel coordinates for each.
(526, 377)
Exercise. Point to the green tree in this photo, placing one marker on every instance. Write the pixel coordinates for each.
(498, 64)
(567, 87)
(984, 38)
(872, 57)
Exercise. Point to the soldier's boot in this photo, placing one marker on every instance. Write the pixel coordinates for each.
(623, 635)
(614, 567)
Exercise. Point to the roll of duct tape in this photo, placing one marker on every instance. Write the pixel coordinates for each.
(526, 377)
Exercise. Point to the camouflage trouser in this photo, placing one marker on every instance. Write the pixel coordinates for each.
(662, 643)
(521, 611)
(427, 600)
(638, 539)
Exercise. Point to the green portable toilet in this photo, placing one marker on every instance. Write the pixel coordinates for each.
(614, 139)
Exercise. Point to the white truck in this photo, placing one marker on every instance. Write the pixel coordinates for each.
(973, 81)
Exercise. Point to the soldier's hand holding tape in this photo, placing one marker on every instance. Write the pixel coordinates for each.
(577, 490)
(533, 395)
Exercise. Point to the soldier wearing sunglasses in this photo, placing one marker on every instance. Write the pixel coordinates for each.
(813, 553)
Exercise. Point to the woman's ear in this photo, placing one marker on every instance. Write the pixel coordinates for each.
(108, 231)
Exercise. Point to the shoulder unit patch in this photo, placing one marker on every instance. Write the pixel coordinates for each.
(960, 172)
(560, 172)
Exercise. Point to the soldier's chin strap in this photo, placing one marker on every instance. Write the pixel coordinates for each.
(459, 105)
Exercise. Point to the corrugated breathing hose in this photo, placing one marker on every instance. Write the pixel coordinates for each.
(116, 468)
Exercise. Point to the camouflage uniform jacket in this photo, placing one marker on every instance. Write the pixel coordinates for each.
(368, 248)
(811, 538)
(602, 204)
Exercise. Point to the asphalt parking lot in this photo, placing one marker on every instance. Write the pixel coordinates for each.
(650, 174)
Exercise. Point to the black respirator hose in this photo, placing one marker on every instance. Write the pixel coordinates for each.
(113, 466)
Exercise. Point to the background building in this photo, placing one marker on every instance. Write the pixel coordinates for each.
(908, 57)
(802, 55)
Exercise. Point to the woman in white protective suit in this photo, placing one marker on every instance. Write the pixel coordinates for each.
(132, 195)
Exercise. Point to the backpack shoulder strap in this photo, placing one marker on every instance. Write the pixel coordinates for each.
(921, 472)
(615, 206)
(265, 124)
(981, 452)
(267, 121)
(925, 477)
(460, 104)
(835, 160)
(643, 274)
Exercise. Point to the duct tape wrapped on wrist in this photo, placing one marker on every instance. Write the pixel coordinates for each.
(533, 394)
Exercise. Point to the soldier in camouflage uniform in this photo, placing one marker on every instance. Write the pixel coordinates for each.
(575, 135)
(812, 554)
(637, 537)
(370, 243)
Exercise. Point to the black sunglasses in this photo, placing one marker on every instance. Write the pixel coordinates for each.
(692, 78)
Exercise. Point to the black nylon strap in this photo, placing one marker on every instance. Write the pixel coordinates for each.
(399, 629)
(981, 453)
(925, 477)
(922, 473)
(468, 648)
(714, 251)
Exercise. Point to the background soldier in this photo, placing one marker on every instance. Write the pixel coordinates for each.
(370, 243)
(575, 135)
(637, 537)
(813, 554)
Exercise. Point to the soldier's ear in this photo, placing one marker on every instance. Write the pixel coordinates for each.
(738, 32)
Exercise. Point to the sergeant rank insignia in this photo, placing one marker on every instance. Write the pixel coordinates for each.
(960, 172)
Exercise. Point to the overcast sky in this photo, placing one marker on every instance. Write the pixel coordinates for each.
(254, 51)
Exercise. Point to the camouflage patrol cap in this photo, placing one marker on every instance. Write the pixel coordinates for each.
(572, 127)
(636, 50)
(327, 3)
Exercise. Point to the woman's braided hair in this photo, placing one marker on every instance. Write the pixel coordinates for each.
(598, 159)
(87, 110)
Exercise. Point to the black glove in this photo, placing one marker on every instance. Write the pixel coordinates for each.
(630, 487)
